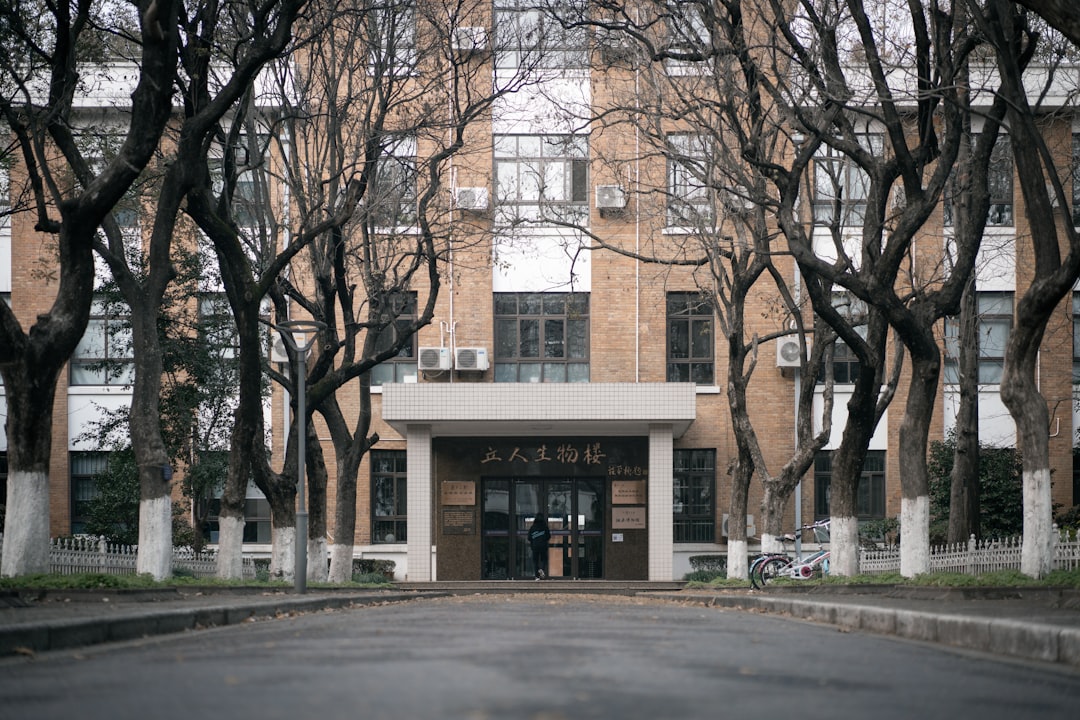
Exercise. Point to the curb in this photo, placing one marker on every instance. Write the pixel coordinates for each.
(1026, 640)
(66, 634)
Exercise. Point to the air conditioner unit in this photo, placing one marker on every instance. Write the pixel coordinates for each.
(474, 199)
(616, 50)
(470, 358)
(433, 358)
(788, 354)
(469, 40)
(610, 197)
(751, 530)
(278, 353)
(736, 201)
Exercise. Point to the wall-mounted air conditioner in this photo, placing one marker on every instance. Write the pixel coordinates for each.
(474, 199)
(610, 197)
(278, 353)
(470, 358)
(433, 358)
(788, 354)
(751, 530)
(469, 40)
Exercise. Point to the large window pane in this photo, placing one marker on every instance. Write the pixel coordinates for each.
(552, 326)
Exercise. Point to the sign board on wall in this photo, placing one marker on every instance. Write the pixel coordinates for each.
(458, 493)
(627, 518)
(628, 492)
(459, 522)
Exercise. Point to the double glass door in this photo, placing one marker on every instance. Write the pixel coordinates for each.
(575, 512)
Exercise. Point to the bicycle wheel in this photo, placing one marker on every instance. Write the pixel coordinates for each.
(755, 570)
(768, 570)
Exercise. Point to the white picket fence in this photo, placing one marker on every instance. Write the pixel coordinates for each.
(975, 556)
(77, 555)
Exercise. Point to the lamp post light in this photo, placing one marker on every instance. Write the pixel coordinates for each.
(295, 333)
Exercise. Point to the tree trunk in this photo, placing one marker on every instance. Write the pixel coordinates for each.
(964, 479)
(155, 504)
(847, 470)
(914, 478)
(738, 560)
(30, 387)
(316, 486)
(350, 454)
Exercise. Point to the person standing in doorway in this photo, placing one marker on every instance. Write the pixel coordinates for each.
(539, 535)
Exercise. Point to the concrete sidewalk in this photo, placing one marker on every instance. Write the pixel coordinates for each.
(1034, 624)
(1031, 623)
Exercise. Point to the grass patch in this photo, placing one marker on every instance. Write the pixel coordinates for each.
(99, 581)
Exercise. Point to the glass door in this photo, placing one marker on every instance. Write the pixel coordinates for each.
(575, 512)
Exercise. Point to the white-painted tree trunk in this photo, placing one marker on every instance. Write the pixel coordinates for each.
(915, 536)
(341, 557)
(26, 525)
(771, 543)
(1036, 557)
(155, 538)
(317, 571)
(230, 558)
(283, 553)
(738, 565)
(844, 546)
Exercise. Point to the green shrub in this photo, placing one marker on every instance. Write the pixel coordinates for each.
(1069, 519)
(183, 572)
(709, 563)
(703, 576)
(370, 578)
(374, 567)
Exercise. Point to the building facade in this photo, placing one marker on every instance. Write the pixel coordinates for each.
(583, 383)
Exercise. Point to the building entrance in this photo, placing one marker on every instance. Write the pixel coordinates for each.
(575, 511)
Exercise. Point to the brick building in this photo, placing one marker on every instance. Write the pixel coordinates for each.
(581, 383)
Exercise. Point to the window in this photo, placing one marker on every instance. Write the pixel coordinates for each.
(840, 182)
(1076, 178)
(690, 338)
(217, 327)
(542, 177)
(84, 469)
(541, 337)
(689, 199)
(688, 38)
(402, 365)
(5, 297)
(257, 525)
(870, 494)
(1076, 341)
(103, 356)
(999, 183)
(845, 363)
(392, 192)
(995, 321)
(694, 507)
(529, 34)
(3, 480)
(388, 496)
(391, 29)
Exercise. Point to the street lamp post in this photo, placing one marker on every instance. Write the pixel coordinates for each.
(295, 334)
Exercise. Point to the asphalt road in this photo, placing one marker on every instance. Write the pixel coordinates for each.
(538, 657)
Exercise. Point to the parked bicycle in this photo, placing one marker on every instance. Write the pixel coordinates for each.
(769, 566)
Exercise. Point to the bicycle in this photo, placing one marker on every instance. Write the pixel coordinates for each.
(769, 566)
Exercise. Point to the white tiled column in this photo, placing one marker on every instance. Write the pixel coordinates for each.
(418, 457)
(661, 490)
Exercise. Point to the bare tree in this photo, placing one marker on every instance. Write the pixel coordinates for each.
(46, 56)
(697, 108)
(1051, 231)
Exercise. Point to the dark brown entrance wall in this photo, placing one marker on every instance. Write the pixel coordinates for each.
(460, 464)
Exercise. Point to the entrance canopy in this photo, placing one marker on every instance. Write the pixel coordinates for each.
(532, 409)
